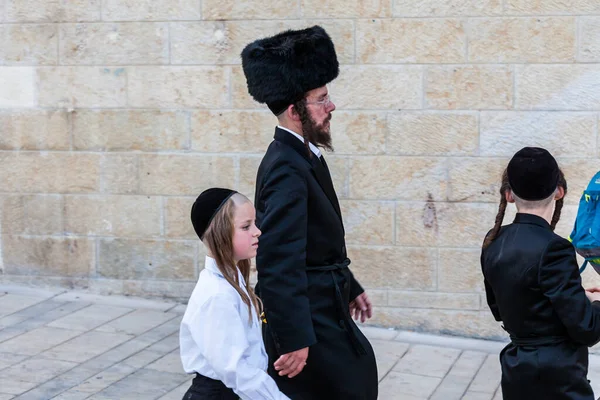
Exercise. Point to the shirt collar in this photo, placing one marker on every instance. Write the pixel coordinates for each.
(313, 148)
(210, 264)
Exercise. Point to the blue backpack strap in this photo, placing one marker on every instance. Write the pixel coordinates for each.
(585, 263)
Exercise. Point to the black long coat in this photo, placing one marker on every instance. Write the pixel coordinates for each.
(533, 286)
(304, 280)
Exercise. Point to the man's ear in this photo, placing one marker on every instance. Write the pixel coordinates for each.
(292, 113)
(560, 193)
(509, 196)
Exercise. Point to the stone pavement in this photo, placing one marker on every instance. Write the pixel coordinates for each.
(65, 345)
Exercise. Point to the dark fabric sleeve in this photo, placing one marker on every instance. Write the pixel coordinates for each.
(281, 259)
(355, 288)
(560, 282)
(489, 293)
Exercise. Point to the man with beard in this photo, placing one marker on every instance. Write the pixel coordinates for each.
(309, 294)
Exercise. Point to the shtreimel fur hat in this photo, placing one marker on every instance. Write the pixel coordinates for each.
(281, 69)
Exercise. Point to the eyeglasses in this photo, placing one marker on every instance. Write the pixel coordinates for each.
(323, 103)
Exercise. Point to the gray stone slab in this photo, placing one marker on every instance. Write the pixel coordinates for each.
(103, 379)
(167, 344)
(90, 317)
(37, 341)
(72, 395)
(144, 384)
(385, 364)
(86, 346)
(456, 382)
(389, 348)
(143, 358)
(427, 360)
(9, 359)
(137, 322)
(12, 303)
(477, 396)
(488, 377)
(118, 301)
(14, 386)
(30, 312)
(489, 346)
(378, 333)
(37, 370)
(403, 385)
(178, 392)
(44, 293)
(169, 363)
(6, 396)
(57, 313)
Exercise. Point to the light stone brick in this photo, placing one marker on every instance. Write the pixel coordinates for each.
(49, 172)
(146, 259)
(578, 173)
(392, 178)
(122, 216)
(65, 257)
(338, 168)
(28, 44)
(148, 130)
(589, 39)
(32, 214)
(72, 87)
(232, 131)
(562, 133)
(457, 301)
(150, 10)
(407, 386)
(346, 9)
(184, 174)
(251, 9)
(240, 98)
(368, 222)
(378, 297)
(567, 221)
(17, 87)
(418, 359)
(435, 8)
(52, 10)
(443, 224)
(248, 171)
(551, 7)
(475, 324)
(378, 87)
(522, 40)
(557, 87)
(357, 132)
(459, 270)
(425, 133)
(177, 217)
(114, 43)
(119, 173)
(393, 267)
(476, 179)
(388, 41)
(179, 87)
(469, 87)
(34, 130)
(221, 42)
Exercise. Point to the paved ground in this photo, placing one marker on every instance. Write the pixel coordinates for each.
(73, 346)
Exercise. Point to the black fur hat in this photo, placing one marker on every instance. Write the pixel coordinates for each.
(281, 68)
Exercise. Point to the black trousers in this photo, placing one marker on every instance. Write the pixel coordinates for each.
(204, 388)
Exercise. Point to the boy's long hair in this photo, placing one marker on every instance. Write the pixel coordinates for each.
(504, 187)
(219, 240)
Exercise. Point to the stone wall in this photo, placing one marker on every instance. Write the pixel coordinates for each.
(114, 114)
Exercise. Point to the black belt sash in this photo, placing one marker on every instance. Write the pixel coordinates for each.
(344, 316)
(538, 341)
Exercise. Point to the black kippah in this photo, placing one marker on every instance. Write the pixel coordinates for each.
(533, 174)
(206, 207)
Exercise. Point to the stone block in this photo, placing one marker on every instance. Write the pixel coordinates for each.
(522, 40)
(36, 341)
(28, 44)
(476, 179)
(459, 270)
(52, 10)
(49, 172)
(371, 87)
(74, 87)
(114, 43)
(248, 171)
(32, 214)
(394, 178)
(426, 133)
(177, 217)
(368, 222)
(128, 216)
(458, 8)
(86, 346)
(119, 173)
(358, 132)
(18, 87)
(184, 174)
(552, 7)
(118, 130)
(431, 300)
(150, 10)
(146, 259)
(346, 9)
(557, 87)
(179, 87)
(65, 257)
(393, 267)
(34, 130)
(469, 87)
(392, 41)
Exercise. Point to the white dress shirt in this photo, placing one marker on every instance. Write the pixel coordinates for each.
(314, 148)
(218, 341)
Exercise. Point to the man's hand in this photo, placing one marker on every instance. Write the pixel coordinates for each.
(291, 364)
(361, 308)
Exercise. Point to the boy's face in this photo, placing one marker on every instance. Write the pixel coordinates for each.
(246, 233)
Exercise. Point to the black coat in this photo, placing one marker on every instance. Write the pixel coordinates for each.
(303, 277)
(533, 286)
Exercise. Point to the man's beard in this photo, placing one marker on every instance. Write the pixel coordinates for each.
(317, 134)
